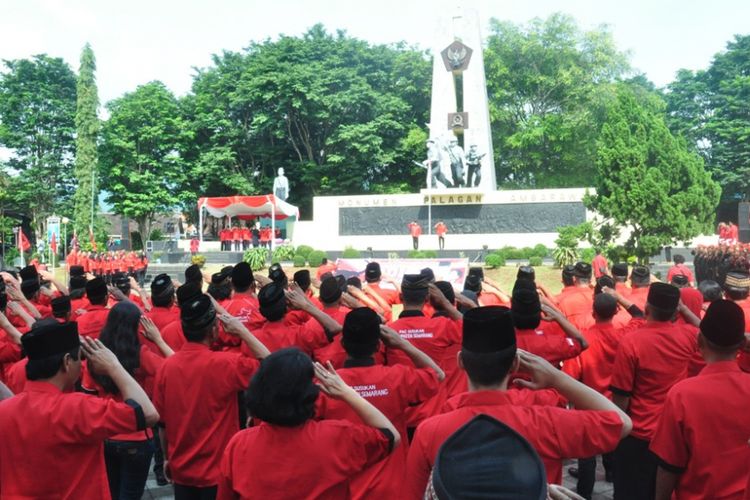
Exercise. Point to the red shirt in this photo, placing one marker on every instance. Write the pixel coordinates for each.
(311, 461)
(173, 336)
(415, 230)
(549, 341)
(391, 389)
(276, 335)
(10, 352)
(335, 352)
(389, 294)
(441, 229)
(439, 338)
(649, 361)
(555, 433)
(16, 376)
(597, 360)
(599, 263)
(161, 316)
(91, 323)
(577, 305)
(246, 308)
(639, 296)
(196, 395)
(53, 443)
(680, 269)
(703, 430)
(245, 232)
(194, 244)
(236, 234)
(325, 268)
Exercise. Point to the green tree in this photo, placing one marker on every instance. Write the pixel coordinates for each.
(548, 86)
(140, 163)
(87, 132)
(647, 179)
(335, 112)
(710, 109)
(37, 109)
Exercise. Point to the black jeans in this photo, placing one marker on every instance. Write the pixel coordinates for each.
(441, 242)
(415, 241)
(127, 467)
(635, 470)
(587, 473)
(182, 492)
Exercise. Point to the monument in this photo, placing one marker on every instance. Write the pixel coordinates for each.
(461, 188)
(281, 185)
(459, 108)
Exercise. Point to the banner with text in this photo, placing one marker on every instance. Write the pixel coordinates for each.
(450, 270)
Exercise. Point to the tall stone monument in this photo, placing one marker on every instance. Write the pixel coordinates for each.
(459, 60)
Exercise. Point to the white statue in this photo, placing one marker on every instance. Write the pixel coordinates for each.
(281, 185)
(458, 161)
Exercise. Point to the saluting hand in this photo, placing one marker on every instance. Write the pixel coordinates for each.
(232, 325)
(391, 338)
(296, 299)
(557, 492)
(330, 382)
(100, 359)
(542, 373)
(150, 331)
(116, 293)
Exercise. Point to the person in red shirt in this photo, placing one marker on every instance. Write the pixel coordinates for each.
(488, 355)
(439, 337)
(415, 230)
(330, 297)
(576, 305)
(391, 389)
(196, 393)
(237, 238)
(701, 437)
(243, 305)
(164, 310)
(10, 340)
(680, 268)
(599, 265)
(649, 361)
(194, 245)
(310, 459)
(389, 296)
(246, 237)
(127, 455)
(325, 267)
(620, 275)
(441, 230)
(554, 339)
(596, 370)
(91, 323)
(65, 430)
(640, 280)
(277, 334)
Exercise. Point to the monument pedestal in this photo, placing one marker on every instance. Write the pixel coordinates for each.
(474, 219)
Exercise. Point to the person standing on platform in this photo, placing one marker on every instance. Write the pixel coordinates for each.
(246, 236)
(416, 231)
(255, 235)
(194, 245)
(236, 238)
(701, 438)
(441, 229)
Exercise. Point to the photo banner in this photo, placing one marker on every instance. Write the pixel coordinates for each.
(450, 270)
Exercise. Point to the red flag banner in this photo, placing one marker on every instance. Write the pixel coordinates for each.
(53, 243)
(92, 240)
(23, 241)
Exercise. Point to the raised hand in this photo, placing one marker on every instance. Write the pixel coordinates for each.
(232, 325)
(150, 331)
(542, 373)
(330, 382)
(100, 359)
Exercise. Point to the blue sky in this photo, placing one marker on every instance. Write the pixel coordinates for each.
(138, 41)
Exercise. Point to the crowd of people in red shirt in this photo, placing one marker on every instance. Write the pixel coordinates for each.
(108, 264)
(242, 385)
(728, 233)
(239, 238)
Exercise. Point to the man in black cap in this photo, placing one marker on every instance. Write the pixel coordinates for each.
(373, 277)
(737, 288)
(576, 305)
(91, 323)
(620, 275)
(10, 342)
(193, 273)
(568, 282)
(488, 356)
(640, 280)
(61, 310)
(162, 298)
(172, 333)
(391, 389)
(438, 337)
(701, 439)
(52, 445)
(131, 290)
(30, 287)
(196, 394)
(649, 361)
(277, 334)
(243, 305)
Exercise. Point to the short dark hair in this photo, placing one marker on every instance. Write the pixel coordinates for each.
(678, 259)
(414, 297)
(722, 349)
(165, 300)
(487, 369)
(221, 291)
(735, 293)
(661, 314)
(711, 290)
(40, 369)
(282, 391)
